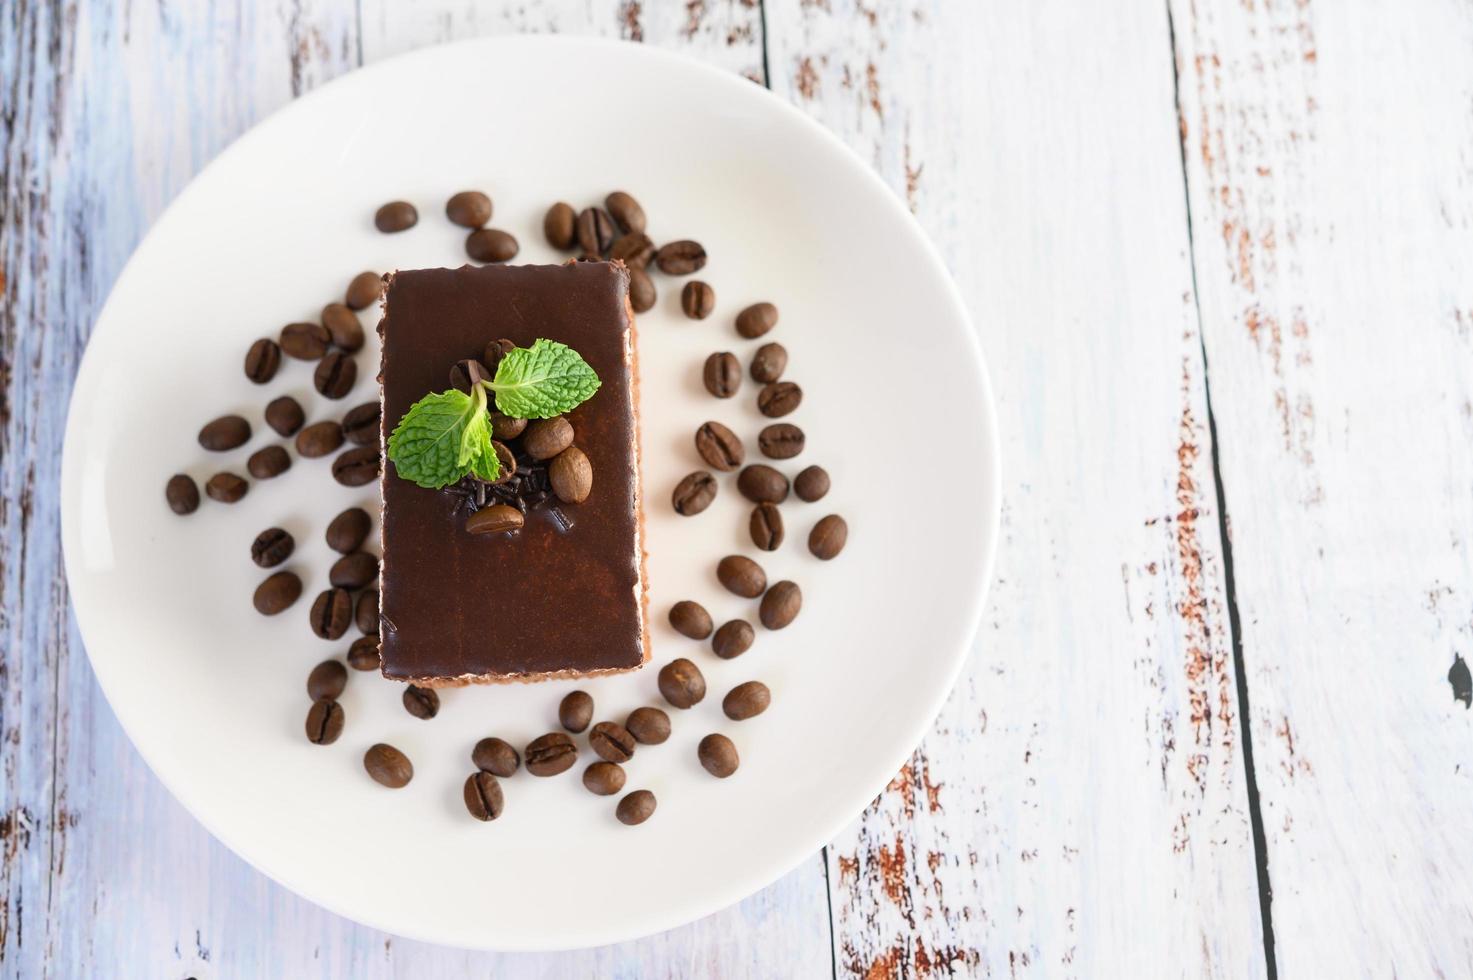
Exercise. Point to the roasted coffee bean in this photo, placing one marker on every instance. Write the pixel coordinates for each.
(395, 216)
(611, 742)
(225, 432)
(182, 493)
(642, 293)
(354, 571)
(559, 226)
(769, 363)
(733, 639)
(361, 424)
(272, 547)
(335, 374)
(571, 475)
(698, 299)
(226, 488)
(305, 341)
(469, 209)
(811, 484)
(262, 360)
(625, 211)
(495, 519)
(635, 250)
(781, 440)
(347, 532)
(545, 438)
(491, 245)
(550, 754)
(756, 320)
(681, 258)
(496, 757)
(327, 680)
(635, 808)
(576, 711)
(719, 447)
(363, 654)
(364, 290)
(828, 537)
(649, 726)
(482, 793)
(495, 351)
(722, 374)
(342, 326)
(780, 605)
(681, 683)
(365, 612)
(761, 484)
(604, 778)
(595, 231)
(694, 493)
(277, 593)
(357, 466)
(422, 702)
(466, 374)
(331, 613)
(766, 527)
(746, 701)
(505, 459)
(506, 427)
(718, 756)
(284, 415)
(779, 398)
(267, 462)
(388, 766)
(741, 576)
(324, 722)
(690, 619)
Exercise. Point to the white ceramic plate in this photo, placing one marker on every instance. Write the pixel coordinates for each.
(895, 391)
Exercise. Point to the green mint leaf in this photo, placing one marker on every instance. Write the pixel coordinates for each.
(543, 380)
(427, 444)
(477, 455)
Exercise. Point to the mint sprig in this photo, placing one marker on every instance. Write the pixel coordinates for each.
(541, 381)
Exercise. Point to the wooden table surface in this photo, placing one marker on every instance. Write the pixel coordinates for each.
(1220, 254)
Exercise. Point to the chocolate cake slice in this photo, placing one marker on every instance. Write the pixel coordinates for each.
(565, 595)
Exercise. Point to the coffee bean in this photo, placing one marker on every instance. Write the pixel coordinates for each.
(268, 462)
(550, 754)
(697, 300)
(811, 484)
(277, 593)
(649, 726)
(780, 605)
(496, 757)
(305, 341)
(354, 571)
(491, 245)
(335, 374)
(388, 766)
(769, 363)
(635, 250)
(505, 459)
(766, 527)
(746, 701)
(324, 722)
(595, 231)
(262, 360)
(284, 415)
(483, 798)
(494, 353)
(559, 226)
(756, 320)
(604, 778)
(469, 209)
(742, 576)
(272, 547)
(635, 808)
(718, 756)
(694, 493)
(347, 532)
(495, 519)
(681, 258)
(733, 639)
(466, 374)
(357, 466)
(690, 619)
(626, 212)
(365, 612)
(327, 680)
(226, 488)
(330, 614)
(361, 424)
(364, 290)
(545, 438)
(575, 711)
(506, 427)
(828, 537)
(182, 493)
(395, 216)
(611, 742)
(779, 398)
(422, 702)
(363, 654)
(719, 447)
(571, 476)
(722, 374)
(681, 683)
(781, 440)
(642, 294)
(342, 326)
(225, 432)
(761, 484)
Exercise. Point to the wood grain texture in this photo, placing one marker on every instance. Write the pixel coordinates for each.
(1329, 151)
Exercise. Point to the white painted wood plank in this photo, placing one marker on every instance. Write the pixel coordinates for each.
(1329, 150)
(1080, 807)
